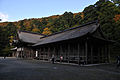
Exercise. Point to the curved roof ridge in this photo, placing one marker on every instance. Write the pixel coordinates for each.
(31, 32)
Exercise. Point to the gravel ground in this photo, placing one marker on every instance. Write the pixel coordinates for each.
(13, 69)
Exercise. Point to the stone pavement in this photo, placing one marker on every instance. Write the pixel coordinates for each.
(13, 69)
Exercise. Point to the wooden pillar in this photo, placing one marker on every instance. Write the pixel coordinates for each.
(108, 54)
(43, 53)
(40, 53)
(99, 55)
(31, 53)
(86, 51)
(60, 52)
(104, 53)
(48, 53)
(54, 51)
(21, 53)
(91, 54)
(78, 54)
(68, 53)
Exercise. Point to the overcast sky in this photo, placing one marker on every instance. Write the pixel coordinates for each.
(14, 10)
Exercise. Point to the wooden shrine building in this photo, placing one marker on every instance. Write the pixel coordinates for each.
(24, 42)
(84, 43)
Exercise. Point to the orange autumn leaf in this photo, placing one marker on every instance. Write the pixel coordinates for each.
(46, 31)
(117, 17)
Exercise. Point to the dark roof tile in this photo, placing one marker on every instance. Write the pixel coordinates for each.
(29, 37)
(69, 34)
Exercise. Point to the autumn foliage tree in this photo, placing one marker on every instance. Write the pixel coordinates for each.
(35, 30)
(117, 18)
(46, 31)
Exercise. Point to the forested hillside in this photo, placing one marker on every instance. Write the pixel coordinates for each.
(105, 11)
